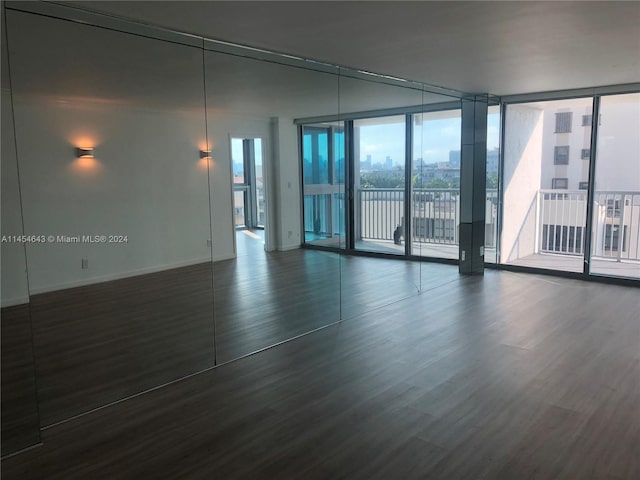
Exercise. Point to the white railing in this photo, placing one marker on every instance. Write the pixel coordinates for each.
(561, 219)
(435, 214)
(616, 219)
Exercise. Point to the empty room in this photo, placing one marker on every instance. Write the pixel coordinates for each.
(320, 240)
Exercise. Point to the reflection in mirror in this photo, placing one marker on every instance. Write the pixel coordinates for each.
(267, 288)
(436, 193)
(377, 181)
(323, 183)
(121, 296)
(20, 422)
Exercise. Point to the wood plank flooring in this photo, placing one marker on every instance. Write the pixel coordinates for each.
(20, 425)
(100, 343)
(506, 376)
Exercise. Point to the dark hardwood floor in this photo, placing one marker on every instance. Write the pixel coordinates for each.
(506, 376)
(100, 343)
(20, 425)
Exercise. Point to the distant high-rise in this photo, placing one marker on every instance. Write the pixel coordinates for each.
(454, 158)
(366, 165)
(388, 163)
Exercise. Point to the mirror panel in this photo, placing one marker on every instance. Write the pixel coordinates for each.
(20, 421)
(121, 296)
(376, 146)
(267, 288)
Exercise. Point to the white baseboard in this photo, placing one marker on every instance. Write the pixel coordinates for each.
(285, 248)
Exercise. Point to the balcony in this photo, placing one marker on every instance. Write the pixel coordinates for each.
(435, 221)
(550, 236)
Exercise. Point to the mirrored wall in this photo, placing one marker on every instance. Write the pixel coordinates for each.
(113, 185)
(266, 289)
(19, 408)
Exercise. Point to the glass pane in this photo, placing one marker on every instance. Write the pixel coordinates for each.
(544, 176)
(237, 159)
(121, 296)
(323, 167)
(615, 248)
(258, 184)
(436, 184)
(493, 170)
(238, 207)
(316, 155)
(379, 180)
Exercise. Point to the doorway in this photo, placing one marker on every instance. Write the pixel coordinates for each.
(249, 199)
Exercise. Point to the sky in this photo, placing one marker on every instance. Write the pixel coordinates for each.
(435, 138)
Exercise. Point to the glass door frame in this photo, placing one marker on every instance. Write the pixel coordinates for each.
(595, 94)
(348, 188)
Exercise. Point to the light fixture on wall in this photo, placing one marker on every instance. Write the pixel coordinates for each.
(205, 154)
(84, 152)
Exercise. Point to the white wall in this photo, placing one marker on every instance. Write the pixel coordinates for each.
(522, 156)
(146, 182)
(287, 183)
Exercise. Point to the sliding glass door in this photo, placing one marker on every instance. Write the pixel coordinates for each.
(323, 184)
(379, 184)
(615, 246)
(436, 183)
(545, 184)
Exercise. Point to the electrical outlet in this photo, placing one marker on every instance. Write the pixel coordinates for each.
(464, 255)
(209, 243)
(84, 263)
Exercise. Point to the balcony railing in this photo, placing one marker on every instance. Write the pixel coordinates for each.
(435, 215)
(616, 220)
(560, 227)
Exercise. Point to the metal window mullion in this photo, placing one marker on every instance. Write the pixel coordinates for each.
(595, 112)
(621, 228)
(408, 192)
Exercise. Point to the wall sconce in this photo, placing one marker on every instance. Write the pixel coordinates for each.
(84, 152)
(205, 154)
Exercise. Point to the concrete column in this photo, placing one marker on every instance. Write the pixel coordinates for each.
(473, 188)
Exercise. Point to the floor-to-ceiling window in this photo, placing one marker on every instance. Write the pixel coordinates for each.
(436, 184)
(379, 184)
(545, 184)
(615, 246)
(491, 247)
(323, 183)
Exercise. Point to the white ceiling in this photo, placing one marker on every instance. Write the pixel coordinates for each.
(496, 47)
